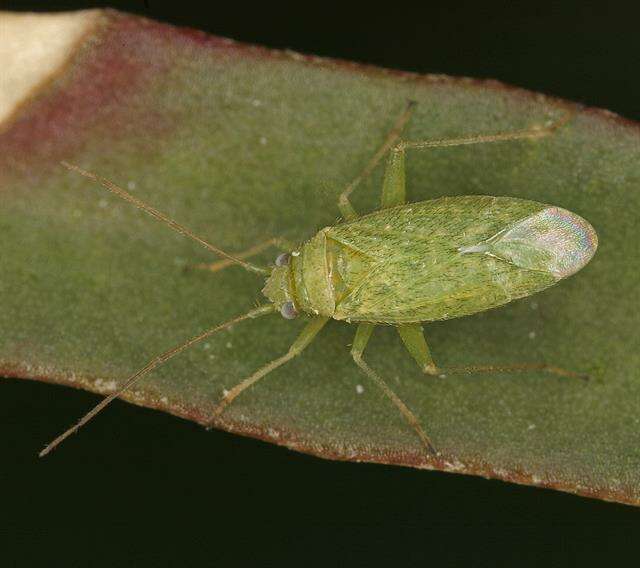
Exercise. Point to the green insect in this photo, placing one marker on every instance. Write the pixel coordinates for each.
(402, 265)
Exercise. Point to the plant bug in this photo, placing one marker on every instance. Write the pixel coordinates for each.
(402, 265)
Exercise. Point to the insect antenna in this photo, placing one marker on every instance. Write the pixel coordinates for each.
(113, 188)
(155, 362)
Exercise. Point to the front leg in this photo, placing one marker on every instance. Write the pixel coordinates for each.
(218, 265)
(307, 335)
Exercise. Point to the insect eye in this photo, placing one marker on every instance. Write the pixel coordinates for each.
(288, 311)
(283, 259)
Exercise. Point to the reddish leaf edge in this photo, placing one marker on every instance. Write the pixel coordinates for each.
(105, 18)
(260, 51)
(294, 441)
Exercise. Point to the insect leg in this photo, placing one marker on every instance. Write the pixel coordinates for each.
(359, 344)
(303, 340)
(533, 132)
(393, 186)
(346, 209)
(516, 368)
(252, 251)
(412, 336)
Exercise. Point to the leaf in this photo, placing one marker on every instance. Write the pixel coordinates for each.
(240, 144)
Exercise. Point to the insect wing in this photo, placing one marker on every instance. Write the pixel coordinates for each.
(456, 256)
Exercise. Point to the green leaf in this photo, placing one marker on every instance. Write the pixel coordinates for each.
(241, 144)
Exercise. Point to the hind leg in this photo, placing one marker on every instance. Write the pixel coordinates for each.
(346, 209)
(413, 338)
(393, 188)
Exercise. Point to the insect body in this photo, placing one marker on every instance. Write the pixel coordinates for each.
(433, 260)
(403, 265)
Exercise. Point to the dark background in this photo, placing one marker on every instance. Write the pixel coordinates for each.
(142, 488)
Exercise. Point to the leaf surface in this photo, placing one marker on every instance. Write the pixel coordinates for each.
(241, 144)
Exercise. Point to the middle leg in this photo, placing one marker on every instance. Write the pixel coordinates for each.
(359, 344)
